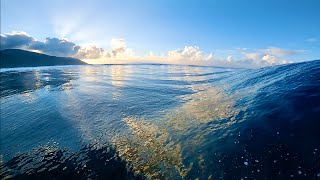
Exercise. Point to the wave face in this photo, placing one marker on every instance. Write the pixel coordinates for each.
(161, 122)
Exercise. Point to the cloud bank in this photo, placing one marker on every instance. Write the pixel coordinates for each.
(189, 53)
(15, 40)
(271, 55)
(120, 53)
(51, 46)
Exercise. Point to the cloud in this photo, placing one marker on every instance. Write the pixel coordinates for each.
(15, 40)
(271, 56)
(209, 57)
(119, 53)
(118, 46)
(51, 46)
(253, 56)
(263, 59)
(273, 51)
(63, 47)
(55, 46)
(269, 59)
(230, 59)
(188, 53)
(91, 52)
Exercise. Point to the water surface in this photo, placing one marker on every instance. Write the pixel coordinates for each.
(161, 121)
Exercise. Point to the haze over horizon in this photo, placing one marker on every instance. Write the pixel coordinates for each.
(222, 33)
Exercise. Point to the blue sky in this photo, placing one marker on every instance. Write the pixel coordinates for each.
(220, 27)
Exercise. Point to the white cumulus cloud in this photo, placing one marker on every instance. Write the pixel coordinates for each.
(118, 46)
(253, 56)
(188, 53)
(90, 52)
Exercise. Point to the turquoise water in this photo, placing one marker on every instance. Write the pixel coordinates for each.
(161, 121)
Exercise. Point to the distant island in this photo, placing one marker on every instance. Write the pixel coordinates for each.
(10, 58)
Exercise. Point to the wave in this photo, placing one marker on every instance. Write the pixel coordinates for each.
(255, 124)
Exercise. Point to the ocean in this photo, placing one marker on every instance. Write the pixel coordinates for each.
(152, 121)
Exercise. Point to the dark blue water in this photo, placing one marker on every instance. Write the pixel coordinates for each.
(161, 121)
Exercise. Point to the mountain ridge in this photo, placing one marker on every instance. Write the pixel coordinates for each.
(11, 58)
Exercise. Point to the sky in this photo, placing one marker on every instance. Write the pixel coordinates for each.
(246, 33)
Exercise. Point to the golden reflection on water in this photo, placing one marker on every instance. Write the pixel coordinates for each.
(37, 79)
(148, 146)
(206, 104)
(203, 107)
(151, 150)
(117, 75)
(90, 73)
